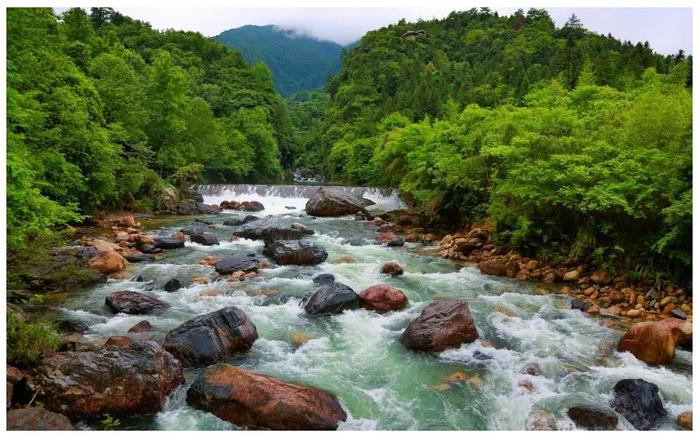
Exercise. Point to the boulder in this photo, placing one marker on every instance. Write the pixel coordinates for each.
(257, 401)
(592, 419)
(392, 269)
(655, 342)
(238, 222)
(135, 379)
(134, 303)
(72, 326)
(638, 401)
(237, 263)
(251, 206)
(172, 285)
(121, 341)
(395, 242)
(581, 304)
(496, 266)
(328, 201)
(268, 230)
(443, 324)
(330, 299)
(207, 239)
(194, 229)
(33, 418)
(600, 276)
(382, 298)
(141, 327)
(685, 420)
(295, 252)
(301, 227)
(324, 279)
(138, 258)
(168, 243)
(107, 262)
(209, 338)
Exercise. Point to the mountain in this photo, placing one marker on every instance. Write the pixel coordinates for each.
(298, 62)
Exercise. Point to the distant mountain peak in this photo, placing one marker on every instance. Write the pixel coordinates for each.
(298, 60)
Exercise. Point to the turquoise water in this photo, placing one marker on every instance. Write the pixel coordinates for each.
(357, 356)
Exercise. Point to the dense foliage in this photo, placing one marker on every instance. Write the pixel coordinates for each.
(574, 144)
(105, 112)
(298, 62)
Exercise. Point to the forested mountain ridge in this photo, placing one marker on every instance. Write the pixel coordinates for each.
(573, 144)
(298, 62)
(105, 112)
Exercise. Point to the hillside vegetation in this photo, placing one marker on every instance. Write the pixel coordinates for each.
(572, 143)
(298, 62)
(104, 112)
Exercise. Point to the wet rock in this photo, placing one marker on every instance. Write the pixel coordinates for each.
(382, 298)
(330, 299)
(207, 239)
(134, 303)
(655, 342)
(581, 304)
(203, 221)
(677, 313)
(324, 279)
(251, 206)
(135, 379)
(121, 341)
(238, 222)
(395, 242)
(209, 338)
(303, 228)
(149, 249)
(685, 420)
(72, 326)
(493, 267)
(257, 401)
(18, 392)
(638, 401)
(141, 327)
(355, 241)
(168, 243)
(592, 419)
(392, 269)
(268, 230)
(443, 324)
(172, 285)
(138, 258)
(532, 369)
(295, 252)
(328, 201)
(34, 418)
(237, 263)
(107, 262)
(194, 229)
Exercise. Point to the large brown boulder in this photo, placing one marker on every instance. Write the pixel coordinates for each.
(37, 419)
(329, 201)
(443, 324)
(257, 401)
(392, 268)
(382, 298)
(108, 262)
(209, 338)
(135, 379)
(494, 266)
(655, 342)
(134, 303)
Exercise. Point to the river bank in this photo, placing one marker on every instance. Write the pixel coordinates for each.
(535, 357)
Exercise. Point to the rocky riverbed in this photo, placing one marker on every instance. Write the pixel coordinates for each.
(351, 322)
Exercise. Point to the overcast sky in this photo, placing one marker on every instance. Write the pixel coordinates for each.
(666, 29)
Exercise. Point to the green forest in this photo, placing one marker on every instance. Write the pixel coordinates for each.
(573, 144)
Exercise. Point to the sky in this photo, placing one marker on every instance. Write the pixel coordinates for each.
(666, 29)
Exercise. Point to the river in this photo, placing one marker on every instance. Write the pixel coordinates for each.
(357, 355)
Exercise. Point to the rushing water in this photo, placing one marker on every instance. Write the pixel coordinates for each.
(357, 356)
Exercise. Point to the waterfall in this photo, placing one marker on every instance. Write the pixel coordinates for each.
(285, 198)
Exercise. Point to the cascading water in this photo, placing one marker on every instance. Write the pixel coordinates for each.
(282, 199)
(357, 355)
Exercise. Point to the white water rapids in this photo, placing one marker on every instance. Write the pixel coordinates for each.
(357, 355)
